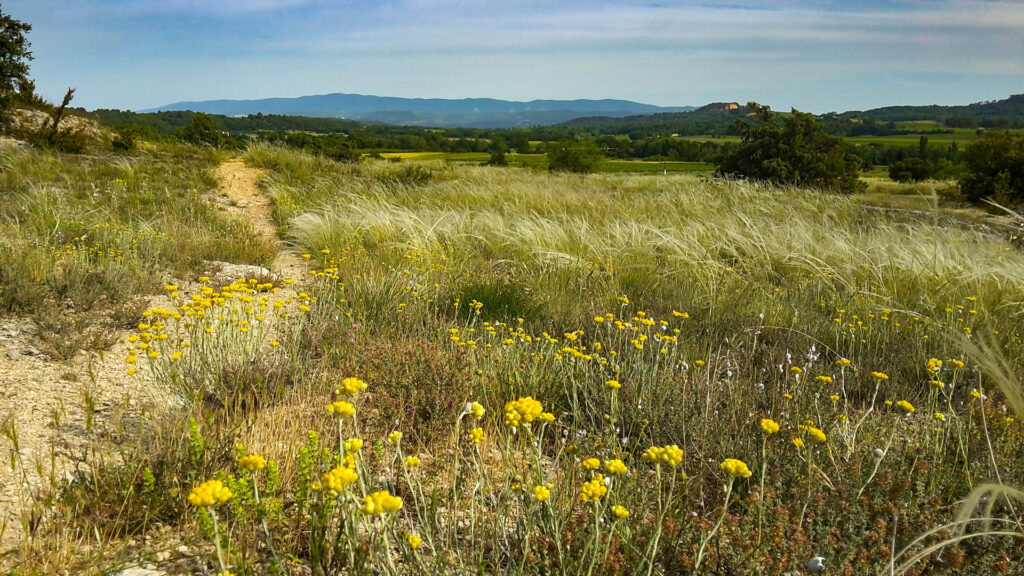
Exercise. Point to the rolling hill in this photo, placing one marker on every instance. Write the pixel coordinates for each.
(466, 112)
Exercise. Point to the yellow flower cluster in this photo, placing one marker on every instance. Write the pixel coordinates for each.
(209, 493)
(671, 455)
(905, 406)
(341, 409)
(412, 461)
(593, 490)
(477, 410)
(769, 426)
(613, 384)
(353, 445)
(522, 410)
(620, 511)
(615, 467)
(395, 437)
(252, 462)
(380, 502)
(351, 386)
(735, 468)
(413, 540)
(336, 480)
(880, 376)
(541, 493)
(476, 435)
(591, 464)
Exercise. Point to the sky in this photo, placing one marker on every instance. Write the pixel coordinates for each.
(815, 56)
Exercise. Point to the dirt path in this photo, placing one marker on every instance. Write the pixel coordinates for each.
(239, 183)
(57, 415)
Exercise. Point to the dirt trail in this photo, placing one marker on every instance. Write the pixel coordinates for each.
(63, 413)
(239, 183)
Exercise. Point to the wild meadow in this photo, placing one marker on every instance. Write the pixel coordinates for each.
(501, 371)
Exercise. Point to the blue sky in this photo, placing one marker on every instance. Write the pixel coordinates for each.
(815, 56)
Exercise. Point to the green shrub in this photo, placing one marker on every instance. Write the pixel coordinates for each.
(579, 157)
(910, 170)
(995, 169)
(792, 150)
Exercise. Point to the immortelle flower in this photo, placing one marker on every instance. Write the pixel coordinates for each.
(351, 386)
(671, 455)
(934, 365)
(476, 435)
(817, 435)
(541, 493)
(940, 416)
(252, 462)
(842, 362)
(209, 493)
(353, 445)
(477, 410)
(593, 490)
(907, 407)
(412, 461)
(615, 467)
(395, 437)
(798, 443)
(796, 370)
(834, 397)
(522, 410)
(613, 384)
(880, 376)
(381, 502)
(336, 480)
(413, 540)
(735, 468)
(591, 464)
(769, 426)
(937, 384)
(823, 379)
(341, 409)
(620, 511)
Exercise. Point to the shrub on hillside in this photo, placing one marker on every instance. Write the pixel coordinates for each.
(792, 150)
(579, 157)
(910, 170)
(202, 130)
(995, 169)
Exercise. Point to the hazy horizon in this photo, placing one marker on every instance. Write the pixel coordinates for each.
(815, 56)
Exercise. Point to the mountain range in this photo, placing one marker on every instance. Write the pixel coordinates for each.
(440, 112)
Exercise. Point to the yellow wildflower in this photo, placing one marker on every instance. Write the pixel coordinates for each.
(769, 426)
(613, 384)
(541, 493)
(209, 493)
(907, 407)
(341, 409)
(252, 462)
(735, 468)
(380, 502)
(352, 386)
(476, 435)
(591, 464)
(593, 490)
(615, 466)
(336, 480)
(395, 437)
(412, 461)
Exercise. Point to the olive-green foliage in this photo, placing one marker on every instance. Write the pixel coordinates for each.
(568, 156)
(14, 57)
(910, 170)
(791, 150)
(202, 130)
(995, 165)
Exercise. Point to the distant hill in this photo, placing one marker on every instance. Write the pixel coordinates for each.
(467, 112)
(717, 119)
(1011, 108)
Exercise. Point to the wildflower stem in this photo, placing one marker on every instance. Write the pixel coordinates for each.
(714, 530)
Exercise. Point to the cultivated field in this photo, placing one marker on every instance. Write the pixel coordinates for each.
(460, 369)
